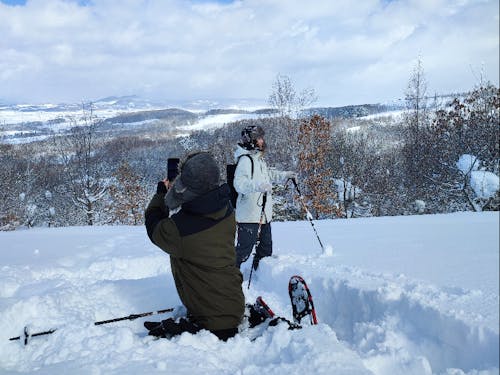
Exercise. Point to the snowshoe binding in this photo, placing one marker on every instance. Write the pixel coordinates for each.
(301, 299)
(259, 312)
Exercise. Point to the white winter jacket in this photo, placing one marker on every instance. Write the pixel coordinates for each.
(249, 203)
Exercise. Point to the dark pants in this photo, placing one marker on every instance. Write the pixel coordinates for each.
(247, 237)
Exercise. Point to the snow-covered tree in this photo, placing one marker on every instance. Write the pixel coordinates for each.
(289, 105)
(10, 175)
(466, 126)
(27, 198)
(350, 158)
(479, 186)
(80, 155)
(416, 121)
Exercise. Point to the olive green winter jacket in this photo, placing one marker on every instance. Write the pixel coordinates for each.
(200, 241)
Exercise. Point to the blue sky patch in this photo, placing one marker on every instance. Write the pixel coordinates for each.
(13, 2)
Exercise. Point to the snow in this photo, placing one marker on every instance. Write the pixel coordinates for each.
(393, 295)
(467, 163)
(215, 121)
(397, 114)
(485, 184)
(44, 114)
(345, 189)
(12, 119)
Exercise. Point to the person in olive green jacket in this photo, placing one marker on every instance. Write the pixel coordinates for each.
(200, 241)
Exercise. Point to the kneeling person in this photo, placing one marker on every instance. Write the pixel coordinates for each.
(200, 241)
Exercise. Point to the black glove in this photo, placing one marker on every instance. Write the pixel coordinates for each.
(161, 188)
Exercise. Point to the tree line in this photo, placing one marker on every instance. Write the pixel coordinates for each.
(407, 166)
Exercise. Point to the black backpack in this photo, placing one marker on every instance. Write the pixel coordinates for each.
(230, 169)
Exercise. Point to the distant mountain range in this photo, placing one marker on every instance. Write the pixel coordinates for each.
(112, 102)
(132, 109)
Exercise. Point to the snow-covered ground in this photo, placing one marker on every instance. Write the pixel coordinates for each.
(13, 130)
(16, 124)
(394, 295)
(215, 121)
(396, 115)
(46, 113)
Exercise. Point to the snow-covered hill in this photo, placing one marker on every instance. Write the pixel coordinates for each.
(394, 295)
(24, 123)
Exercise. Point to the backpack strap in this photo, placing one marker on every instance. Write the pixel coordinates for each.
(251, 161)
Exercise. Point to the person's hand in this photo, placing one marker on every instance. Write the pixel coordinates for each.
(162, 186)
(264, 187)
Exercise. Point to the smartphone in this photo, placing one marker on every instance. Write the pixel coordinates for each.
(173, 171)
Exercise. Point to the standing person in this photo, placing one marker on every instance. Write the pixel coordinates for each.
(200, 241)
(254, 207)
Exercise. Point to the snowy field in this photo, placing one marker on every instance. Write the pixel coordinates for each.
(215, 121)
(12, 130)
(394, 295)
(9, 116)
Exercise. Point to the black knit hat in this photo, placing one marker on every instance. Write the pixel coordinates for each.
(249, 136)
(198, 174)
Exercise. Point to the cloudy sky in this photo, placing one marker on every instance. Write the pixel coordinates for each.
(349, 52)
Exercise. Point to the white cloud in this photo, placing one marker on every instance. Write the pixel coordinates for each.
(58, 50)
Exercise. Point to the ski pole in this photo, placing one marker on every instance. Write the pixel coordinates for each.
(309, 216)
(257, 241)
(134, 316)
(27, 335)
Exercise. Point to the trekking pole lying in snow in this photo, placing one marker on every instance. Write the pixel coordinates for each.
(309, 216)
(28, 335)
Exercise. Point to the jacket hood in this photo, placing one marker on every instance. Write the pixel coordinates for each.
(211, 203)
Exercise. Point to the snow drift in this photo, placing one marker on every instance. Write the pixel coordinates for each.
(394, 295)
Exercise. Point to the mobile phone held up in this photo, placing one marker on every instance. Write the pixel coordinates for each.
(173, 171)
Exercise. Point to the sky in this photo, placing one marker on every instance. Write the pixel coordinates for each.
(348, 52)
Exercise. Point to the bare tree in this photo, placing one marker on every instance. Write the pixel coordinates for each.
(283, 96)
(289, 106)
(10, 177)
(80, 154)
(28, 196)
(467, 126)
(351, 162)
(416, 120)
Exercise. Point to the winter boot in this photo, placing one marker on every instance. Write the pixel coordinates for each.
(259, 312)
(169, 328)
(152, 325)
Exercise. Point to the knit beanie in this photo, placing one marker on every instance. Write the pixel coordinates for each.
(198, 175)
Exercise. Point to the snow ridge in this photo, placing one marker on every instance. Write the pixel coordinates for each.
(370, 321)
